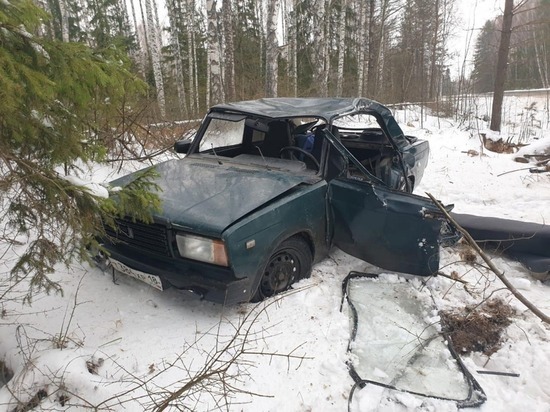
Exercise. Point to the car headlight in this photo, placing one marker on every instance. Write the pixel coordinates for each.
(202, 248)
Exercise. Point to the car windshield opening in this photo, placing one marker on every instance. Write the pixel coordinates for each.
(221, 133)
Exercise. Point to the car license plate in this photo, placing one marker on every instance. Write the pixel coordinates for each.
(151, 280)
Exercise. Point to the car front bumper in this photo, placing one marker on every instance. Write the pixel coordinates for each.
(210, 282)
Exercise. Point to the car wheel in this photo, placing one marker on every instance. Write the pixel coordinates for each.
(291, 261)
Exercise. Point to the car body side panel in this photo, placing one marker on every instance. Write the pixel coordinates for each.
(387, 228)
(416, 158)
(302, 211)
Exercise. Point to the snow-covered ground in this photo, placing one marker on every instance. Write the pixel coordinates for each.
(113, 346)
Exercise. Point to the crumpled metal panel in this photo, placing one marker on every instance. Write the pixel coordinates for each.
(207, 197)
(526, 242)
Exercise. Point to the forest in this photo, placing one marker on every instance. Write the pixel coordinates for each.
(91, 90)
(86, 81)
(195, 53)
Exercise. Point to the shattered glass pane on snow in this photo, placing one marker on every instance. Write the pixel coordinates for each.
(397, 342)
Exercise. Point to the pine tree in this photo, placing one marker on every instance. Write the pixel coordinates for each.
(485, 58)
(58, 107)
(248, 56)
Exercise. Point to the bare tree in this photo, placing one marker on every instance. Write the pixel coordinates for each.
(541, 55)
(192, 57)
(216, 94)
(228, 50)
(341, 47)
(319, 50)
(140, 55)
(433, 57)
(154, 43)
(64, 20)
(362, 19)
(271, 50)
(145, 37)
(293, 48)
(177, 55)
(502, 62)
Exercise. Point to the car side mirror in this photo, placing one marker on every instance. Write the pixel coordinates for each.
(182, 146)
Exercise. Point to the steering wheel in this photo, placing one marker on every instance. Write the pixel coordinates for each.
(302, 151)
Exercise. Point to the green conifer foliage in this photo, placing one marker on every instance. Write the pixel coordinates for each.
(59, 105)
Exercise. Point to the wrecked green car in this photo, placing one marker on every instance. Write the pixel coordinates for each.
(267, 187)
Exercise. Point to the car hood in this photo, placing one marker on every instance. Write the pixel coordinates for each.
(203, 196)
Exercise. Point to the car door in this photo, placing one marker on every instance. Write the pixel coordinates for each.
(391, 229)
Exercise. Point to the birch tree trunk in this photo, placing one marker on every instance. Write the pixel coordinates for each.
(229, 50)
(319, 50)
(140, 57)
(542, 61)
(341, 47)
(371, 49)
(385, 11)
(192, 58)
(177, 56)
(145, 37)
(360, 48)
(195, 71)
(325, 45)
(502, 61)
(293, 54)
(64, 20)
(216, 89)
(260, 18)
(271, 50)
(153, 35)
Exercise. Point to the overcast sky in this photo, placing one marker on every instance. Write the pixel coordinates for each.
(472, 15)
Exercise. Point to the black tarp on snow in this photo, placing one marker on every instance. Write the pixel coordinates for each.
(526, 242)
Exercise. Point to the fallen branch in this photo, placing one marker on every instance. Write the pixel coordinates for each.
(513, 375)
(491, 265)
(452, 278)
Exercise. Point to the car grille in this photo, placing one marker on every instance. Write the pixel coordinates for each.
(150, 237)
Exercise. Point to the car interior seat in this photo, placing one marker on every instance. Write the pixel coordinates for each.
(276, 138)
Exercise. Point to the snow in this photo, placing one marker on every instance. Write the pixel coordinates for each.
(293, 356)
(539, 147)
(94, 188)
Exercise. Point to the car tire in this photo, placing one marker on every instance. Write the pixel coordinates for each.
(290, 262)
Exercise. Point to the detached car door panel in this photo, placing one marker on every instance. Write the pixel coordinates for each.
(387, 228)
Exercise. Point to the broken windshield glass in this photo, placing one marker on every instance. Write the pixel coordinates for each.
(396, 342)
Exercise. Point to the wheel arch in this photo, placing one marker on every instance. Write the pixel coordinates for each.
(306, 237)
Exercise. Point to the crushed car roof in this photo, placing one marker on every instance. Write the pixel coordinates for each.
(327, 108)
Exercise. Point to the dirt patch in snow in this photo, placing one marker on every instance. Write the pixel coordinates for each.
(477, 328)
